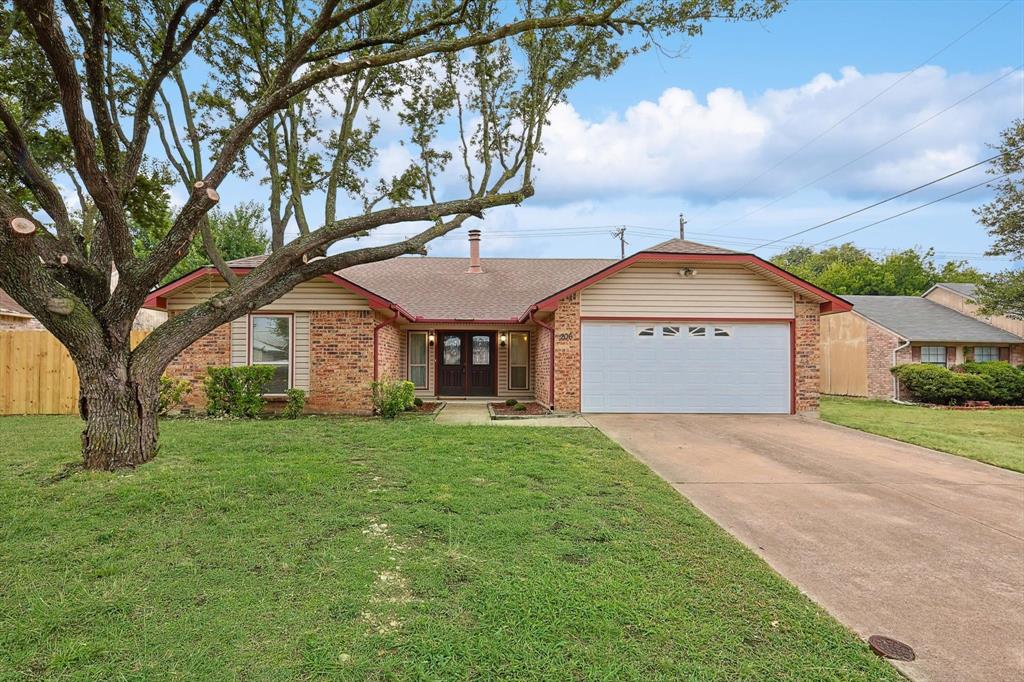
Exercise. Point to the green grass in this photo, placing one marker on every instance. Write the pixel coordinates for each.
(991, 436)
(355, 549)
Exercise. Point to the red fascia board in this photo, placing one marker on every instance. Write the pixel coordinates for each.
(832, 304)
(158, 297)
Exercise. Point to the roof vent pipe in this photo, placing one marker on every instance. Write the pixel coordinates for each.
(474, 252)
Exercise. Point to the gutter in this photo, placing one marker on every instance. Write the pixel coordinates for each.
(895, 381)
(551, 356)
(376, 328)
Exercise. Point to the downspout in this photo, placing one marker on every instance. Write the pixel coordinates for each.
(551, 356)
(895, 381)
(376, 328)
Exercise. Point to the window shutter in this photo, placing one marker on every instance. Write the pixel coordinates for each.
(915, 353)
(968, 353)
(950, 356)
(300, 355)
(240, 341)
(1004, 354)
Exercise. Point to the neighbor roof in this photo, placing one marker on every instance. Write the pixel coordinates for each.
(962, 289)
(918, 319)
(10, 307)
(686, 246)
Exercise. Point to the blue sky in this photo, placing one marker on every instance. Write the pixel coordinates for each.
(713, 133)
(881, 41)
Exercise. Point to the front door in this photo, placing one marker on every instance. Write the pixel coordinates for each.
(466, 362)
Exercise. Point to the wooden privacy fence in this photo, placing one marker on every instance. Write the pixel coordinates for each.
(37, 375)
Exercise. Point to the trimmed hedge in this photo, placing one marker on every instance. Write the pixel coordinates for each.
(997, 382)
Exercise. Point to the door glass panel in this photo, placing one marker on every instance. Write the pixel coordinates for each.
(481, 350)
(418, 349)
(452, 354)
(418, 376)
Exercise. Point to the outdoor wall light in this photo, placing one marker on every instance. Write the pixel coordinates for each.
(430, 339)
(503, 339)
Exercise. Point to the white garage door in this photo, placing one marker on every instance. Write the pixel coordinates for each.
(685, 367)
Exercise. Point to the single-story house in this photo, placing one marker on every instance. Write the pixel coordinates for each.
(679, 327)
(13, 317)
(860, 347)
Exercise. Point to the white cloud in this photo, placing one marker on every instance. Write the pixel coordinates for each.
(710, 150)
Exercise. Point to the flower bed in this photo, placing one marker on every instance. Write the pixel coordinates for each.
(501, 410)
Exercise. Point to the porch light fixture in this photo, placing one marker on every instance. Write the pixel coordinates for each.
(430, 339)
(502, 339)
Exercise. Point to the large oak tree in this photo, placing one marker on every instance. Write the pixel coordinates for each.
(106, 100)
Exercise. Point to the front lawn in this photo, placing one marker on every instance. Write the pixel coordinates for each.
(991, 436)
(356, 549)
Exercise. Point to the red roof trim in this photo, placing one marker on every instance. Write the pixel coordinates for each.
(158, 297)
(832, 304)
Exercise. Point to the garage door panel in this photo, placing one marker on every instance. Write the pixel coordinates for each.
(747, 371)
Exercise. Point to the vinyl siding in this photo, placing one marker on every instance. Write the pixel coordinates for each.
(316, 294)
(657, 290)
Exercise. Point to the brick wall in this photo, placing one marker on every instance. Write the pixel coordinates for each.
(808, 355)
(212, 350)
(567, 354)
(542, 366)
(881, 344)
(389, 349)
(1017, 355)
(340, 361)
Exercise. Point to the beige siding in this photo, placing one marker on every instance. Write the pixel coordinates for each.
(960, 304)
(240, 342)
(844, 354)
(316, 294)
(658, 290)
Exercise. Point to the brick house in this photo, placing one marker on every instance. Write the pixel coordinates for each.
(941, 327)
(679, 327)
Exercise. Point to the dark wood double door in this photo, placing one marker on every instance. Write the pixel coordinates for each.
(467, 364)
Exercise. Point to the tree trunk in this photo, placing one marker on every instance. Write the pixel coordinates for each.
(120, 408)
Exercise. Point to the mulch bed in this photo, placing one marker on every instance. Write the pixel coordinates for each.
(426, 408)
(532, 409)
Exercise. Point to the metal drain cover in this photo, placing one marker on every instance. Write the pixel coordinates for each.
(887, 647)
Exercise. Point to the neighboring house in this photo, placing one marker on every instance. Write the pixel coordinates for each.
(960, 297)
(860, 347)
(15, 318)
(680, 327)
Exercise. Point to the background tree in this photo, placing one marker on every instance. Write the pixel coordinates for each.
(1003, 293)
(292, 92)
(848, 269)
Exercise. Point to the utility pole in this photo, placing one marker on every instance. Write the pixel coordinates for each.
(620, 234)
(682, 226)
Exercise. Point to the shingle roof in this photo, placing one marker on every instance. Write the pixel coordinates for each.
(918, 319)
(440, 288)
(962, 289)
(686, 246)
(8, 306)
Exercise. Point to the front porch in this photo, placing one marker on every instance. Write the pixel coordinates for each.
(466, 362)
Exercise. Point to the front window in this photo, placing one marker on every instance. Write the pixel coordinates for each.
(986, 353)
(518, 360)
(933, 355)
(418, 359)
(272, 345)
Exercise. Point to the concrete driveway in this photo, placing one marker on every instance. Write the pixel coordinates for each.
(890, 538)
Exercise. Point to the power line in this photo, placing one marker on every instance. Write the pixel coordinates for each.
(883, 201)
(864, 105)
(873, 149)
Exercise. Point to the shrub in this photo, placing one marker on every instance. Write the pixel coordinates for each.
(520, 407)
(418, 402)
(172, 392)
(237, 391)
(1007, 381)
(936, 384)
(295, 403)
(392, 397)
(511, 402)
